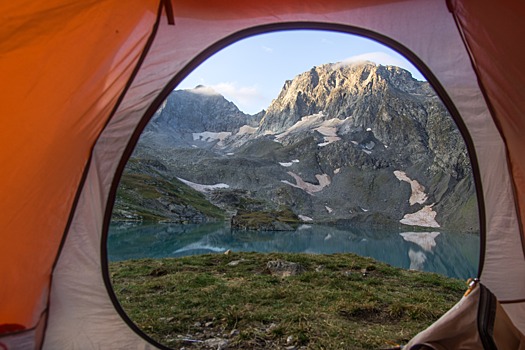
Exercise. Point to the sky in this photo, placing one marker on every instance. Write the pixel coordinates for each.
(251, 72)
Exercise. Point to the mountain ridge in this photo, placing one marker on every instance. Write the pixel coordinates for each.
(342, 130)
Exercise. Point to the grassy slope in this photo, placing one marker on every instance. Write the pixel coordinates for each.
(330, 306)
(140, 195)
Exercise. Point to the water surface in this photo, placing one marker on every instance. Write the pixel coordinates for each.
(452, 254)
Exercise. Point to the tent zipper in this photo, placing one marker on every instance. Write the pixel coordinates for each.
(486, 318)
(472, 284)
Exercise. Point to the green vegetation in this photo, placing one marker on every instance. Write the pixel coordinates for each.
(150, 197)
(283, 219)
(339, 301)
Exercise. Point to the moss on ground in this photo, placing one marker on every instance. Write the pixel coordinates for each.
(277, 220)
(341, 301)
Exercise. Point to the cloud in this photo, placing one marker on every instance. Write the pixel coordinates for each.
(376, 57)
(384, 59)
(248, 98)
(204, 90)
(267, 49)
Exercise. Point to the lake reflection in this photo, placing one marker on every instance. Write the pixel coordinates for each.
(448, 253)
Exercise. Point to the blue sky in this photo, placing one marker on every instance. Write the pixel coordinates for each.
(251, 72)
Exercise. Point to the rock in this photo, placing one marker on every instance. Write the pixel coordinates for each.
(216, 343)
(284, 268)
(197, 110)
(236, 262)
(272, 326)
(166, 319)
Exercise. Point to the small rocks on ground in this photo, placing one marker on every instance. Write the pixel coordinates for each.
(284, 268)
(216, 343)
(236, 262)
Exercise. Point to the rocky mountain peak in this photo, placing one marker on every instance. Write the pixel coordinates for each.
(339, 90)
(188, 115)
(197, 110)
(330, 144)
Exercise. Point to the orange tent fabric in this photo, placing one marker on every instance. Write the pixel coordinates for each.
(64, 66)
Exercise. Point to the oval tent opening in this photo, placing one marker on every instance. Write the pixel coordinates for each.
(298, 189)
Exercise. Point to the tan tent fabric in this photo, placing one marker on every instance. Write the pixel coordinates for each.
(461, 328)
(493, 31)
(66, 64)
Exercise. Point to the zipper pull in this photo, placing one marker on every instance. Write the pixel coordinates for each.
(472, 284)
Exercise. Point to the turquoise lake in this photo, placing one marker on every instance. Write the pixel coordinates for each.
(452, 254)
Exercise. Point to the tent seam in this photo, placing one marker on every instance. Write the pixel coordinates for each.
(74, 205)
(117, 175)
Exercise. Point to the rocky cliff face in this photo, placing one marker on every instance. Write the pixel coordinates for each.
(195, 116)
(341, 143)
(198, 110)
(396, 109)
(361, 91)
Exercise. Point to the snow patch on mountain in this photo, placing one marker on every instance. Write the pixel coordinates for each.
(324, 180)
(203, 188)
(246, 130)
(418, 190)
(426, 217)
(316, 122)
(305, 218)
(289, 164)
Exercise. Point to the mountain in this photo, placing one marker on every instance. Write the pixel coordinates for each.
(147, 193)
(400, 111)
(198, 116)
(342, 143)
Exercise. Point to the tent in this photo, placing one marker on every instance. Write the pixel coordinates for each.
(81, 78)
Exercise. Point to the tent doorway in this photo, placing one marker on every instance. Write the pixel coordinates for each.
(431, 150)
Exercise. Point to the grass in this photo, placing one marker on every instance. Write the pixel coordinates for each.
(265, 220)
(137, 192)
(341, 301)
